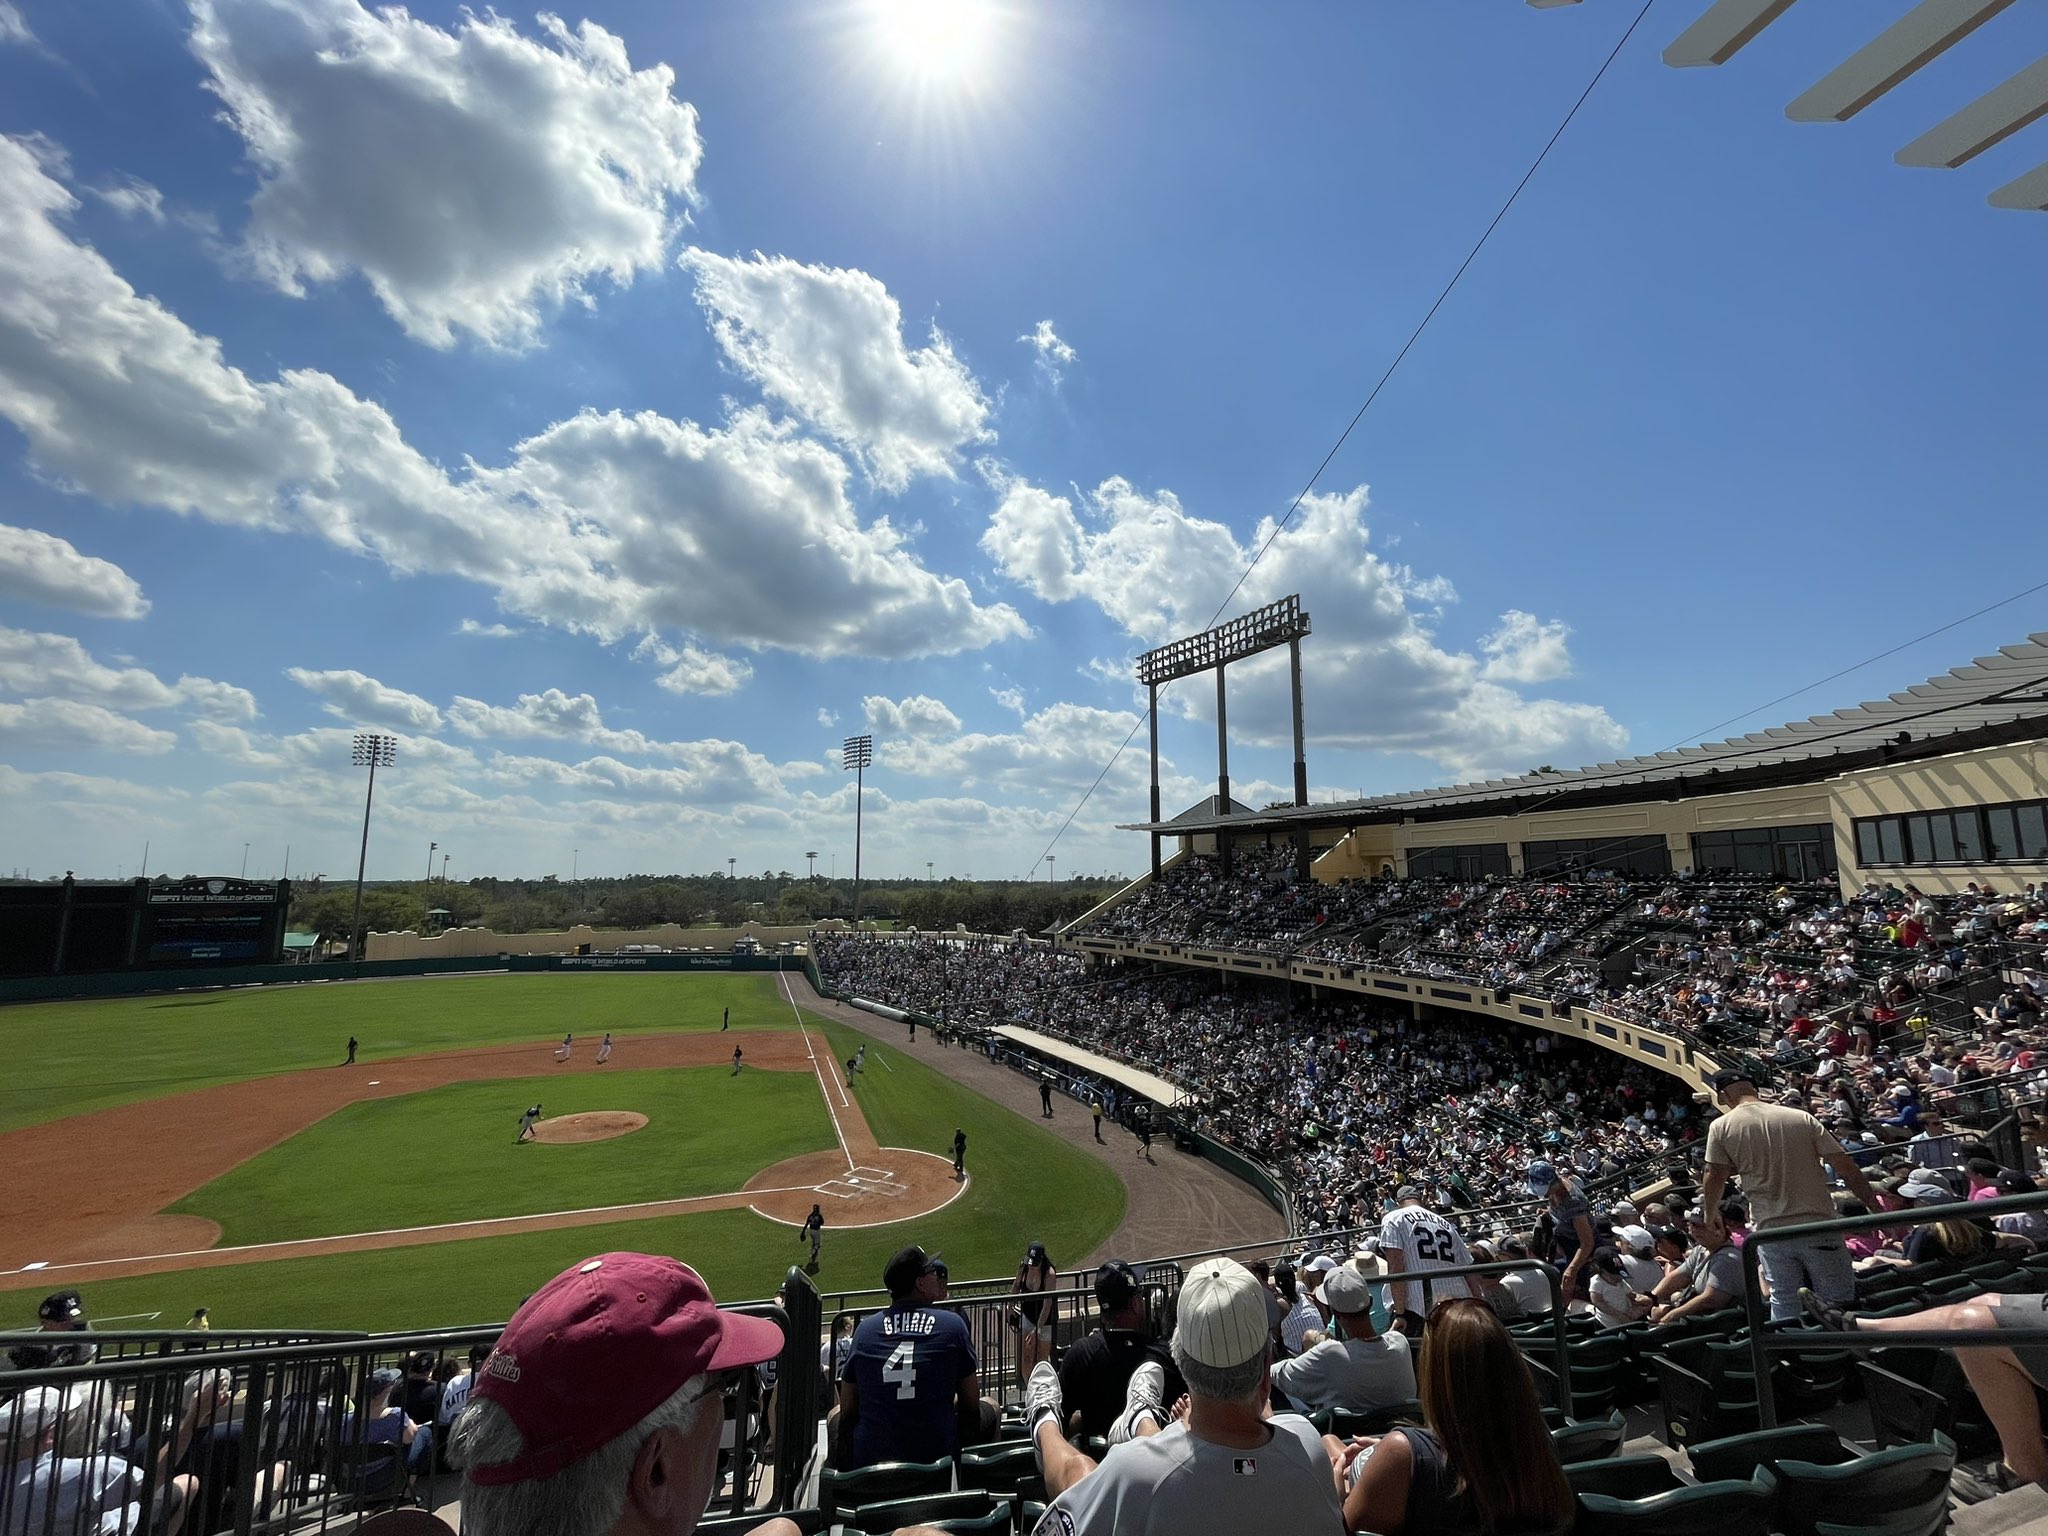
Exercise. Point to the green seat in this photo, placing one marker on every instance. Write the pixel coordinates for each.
(1590, 1439)
(1003, 1469)
(840, 1492)
(1927, 1520)
(926, 1509)
(1860, 1492)
(1738, 1456)
(997, 1522)
(1693, 1411)
(1594, 1388)
(1705, 1509)
(1624, 1477)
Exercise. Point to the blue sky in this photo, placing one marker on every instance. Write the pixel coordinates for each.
(624, 407)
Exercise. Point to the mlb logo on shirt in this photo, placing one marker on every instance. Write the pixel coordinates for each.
(1246, 1466)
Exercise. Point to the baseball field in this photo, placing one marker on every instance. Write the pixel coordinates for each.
(216, 1149)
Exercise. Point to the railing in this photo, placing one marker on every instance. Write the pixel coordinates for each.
(110, 1344)
(1763, 1343)
(275, 1435)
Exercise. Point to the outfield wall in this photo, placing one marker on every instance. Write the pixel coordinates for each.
(471, 943)
(35, 989)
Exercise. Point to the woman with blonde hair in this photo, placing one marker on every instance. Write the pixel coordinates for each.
(1483, 1463)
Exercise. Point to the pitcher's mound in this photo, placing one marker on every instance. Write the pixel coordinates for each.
(597, 1125)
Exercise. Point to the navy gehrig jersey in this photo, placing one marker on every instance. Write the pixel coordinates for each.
(907, 1365)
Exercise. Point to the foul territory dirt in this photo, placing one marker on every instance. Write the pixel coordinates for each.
(84, 1197)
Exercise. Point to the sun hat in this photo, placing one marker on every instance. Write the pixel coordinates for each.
(1344, 1291)
(1222, 1314)
(1541, 1177)
(601, 1346)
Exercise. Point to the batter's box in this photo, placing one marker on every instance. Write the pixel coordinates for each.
(863, 1181)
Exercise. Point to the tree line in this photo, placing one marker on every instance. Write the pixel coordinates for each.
(690, 901)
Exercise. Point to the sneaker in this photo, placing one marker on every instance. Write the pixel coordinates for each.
(1141, 1400)
(1042, 1400)
(1827, 1315)
(1977, 1488)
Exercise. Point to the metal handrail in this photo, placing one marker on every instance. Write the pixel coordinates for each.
(1762, 1342)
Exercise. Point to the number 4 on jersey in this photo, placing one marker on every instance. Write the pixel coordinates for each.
(900, 1370)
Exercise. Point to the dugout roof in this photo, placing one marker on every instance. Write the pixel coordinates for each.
(1139, 1081)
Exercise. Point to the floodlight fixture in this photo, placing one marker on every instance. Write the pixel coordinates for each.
(856, 753)
(370, 750)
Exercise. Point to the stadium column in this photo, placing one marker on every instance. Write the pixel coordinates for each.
(1222, 768)
(1300, 759)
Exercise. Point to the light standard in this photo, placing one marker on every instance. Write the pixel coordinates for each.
(813, 857)
(444, 869)
(373, 752)
(927, 871)
(245, 861)
(729, 863)
(856, 753)
(430, 862)
(1048, 868)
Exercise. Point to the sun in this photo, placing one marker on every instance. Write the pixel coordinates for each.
(937, 41)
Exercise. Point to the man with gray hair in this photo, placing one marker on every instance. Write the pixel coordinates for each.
(599, 1412)
(44, 1491)
(1219, 1461)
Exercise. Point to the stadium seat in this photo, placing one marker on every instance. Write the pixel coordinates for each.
(1706, 1509)
(811, 1522)
(842, 1492)
(1924, 1521)
(928, 1509)
(1590, 1439)
(1692, 1411)
(1869, 1489)
(1915, 1392)
(1003, 1469)
(1624, 1477)
(1345, 1423)
(1738, 1456)
(997, 1522)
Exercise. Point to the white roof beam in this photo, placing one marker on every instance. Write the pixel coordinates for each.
(1995, 116)
(1922, 34)
(1725, 27)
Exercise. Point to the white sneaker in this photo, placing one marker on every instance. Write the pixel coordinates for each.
(1141, 1400)
(1042, 1397)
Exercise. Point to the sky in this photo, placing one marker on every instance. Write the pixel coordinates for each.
(622, 406)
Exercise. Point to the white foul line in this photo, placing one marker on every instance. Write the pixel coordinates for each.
(825, 1084)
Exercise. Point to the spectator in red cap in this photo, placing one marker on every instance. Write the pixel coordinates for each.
(599, 1411)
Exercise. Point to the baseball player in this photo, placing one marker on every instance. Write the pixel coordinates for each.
(562, 1050)
(526, 1122)
(351, 1052)
(860, 1059)
(814, 1229)
(959, 1153)
(725, 1020)
(1045, 1098)
(735, 1061)
(604, 1049)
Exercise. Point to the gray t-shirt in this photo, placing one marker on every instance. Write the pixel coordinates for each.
(1721, 1269)
(1171, 1484)
(1349, 1373)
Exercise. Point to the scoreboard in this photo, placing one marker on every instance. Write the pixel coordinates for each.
(70, 926)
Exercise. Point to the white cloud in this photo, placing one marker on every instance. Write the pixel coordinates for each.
(828, 343)
(473, 177)
(690, 670)
(132, 198)
(1058, 749)
(485, 631)
(741, 534)
(57, 665)
(1053, 354)
(360, 700)
(827, 718)
(13, 25)
(1011, 699)
(65, 725)
(1524, 649)
(919, 716)
(1374, 676)
(39, 567)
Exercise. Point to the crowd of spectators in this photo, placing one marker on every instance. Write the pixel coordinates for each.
(966, 982)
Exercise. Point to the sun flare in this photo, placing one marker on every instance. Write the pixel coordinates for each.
(936, 40)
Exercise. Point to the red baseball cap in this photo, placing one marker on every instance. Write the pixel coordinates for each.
(601, 1346)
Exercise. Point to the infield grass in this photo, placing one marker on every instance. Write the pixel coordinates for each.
(70, 1057)
(448, 1154)
(1025, 1184)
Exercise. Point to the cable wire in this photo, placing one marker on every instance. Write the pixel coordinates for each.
(1359, 415)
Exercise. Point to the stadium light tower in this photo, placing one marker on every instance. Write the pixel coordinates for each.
(430, 861)
(373, 752)
(813, 857)
(856, 753)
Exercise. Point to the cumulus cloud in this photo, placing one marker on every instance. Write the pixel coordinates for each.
(485, 631)
(920, 716)
(828, 343)
(65, 725)
(1524, 649)
(686, 669)
(1374, 675)
(740, 534)
(33, 662)
(473, 177)
(64, 791)
(1011, 699)
(1059, 748)
(350, 695)
(39, 567)
(1053, 354)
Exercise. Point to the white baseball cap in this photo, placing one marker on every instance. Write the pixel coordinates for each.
(24, 1418)
(1637, 1237)
(1222, 1314)
(1321, 1264)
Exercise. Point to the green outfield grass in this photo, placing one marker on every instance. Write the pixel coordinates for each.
(448, 1154)
(1026, 1184)
(67, 1058)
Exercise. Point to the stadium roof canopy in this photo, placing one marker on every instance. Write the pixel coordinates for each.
(1994, 700)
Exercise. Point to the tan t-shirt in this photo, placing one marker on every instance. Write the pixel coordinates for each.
(1776, 1151)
